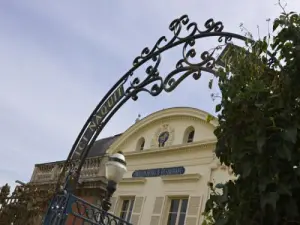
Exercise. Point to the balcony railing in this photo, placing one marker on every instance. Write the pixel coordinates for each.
(49, 172)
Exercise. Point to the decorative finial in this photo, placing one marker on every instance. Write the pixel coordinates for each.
(138, 118)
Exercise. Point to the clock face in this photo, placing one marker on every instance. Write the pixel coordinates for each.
(163, 137)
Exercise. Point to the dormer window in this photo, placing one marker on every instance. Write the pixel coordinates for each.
(189, 135)
(140, 144)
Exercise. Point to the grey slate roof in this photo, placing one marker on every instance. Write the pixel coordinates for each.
(101, 146)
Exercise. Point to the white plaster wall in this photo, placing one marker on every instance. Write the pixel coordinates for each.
(203, 131)
(197, 158)
(195, 161)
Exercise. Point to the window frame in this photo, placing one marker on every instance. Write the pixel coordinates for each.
(140, 146)
(190, 136)
(129, 210)
(178, 213)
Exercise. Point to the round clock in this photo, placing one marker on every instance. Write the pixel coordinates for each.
(163, 137)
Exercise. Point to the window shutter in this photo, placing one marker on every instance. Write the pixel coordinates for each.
(137, 210)
(113, 202)
(193, 210)
(157, 210)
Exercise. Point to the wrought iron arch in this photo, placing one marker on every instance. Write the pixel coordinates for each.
(154, 83)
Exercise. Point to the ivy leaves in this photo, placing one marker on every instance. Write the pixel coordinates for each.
(258, 133)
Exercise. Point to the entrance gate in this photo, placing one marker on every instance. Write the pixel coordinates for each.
(128, 87)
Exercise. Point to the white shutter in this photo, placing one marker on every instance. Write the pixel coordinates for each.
(113, 202)
(137, 210)
(193, 210)
(157, 210)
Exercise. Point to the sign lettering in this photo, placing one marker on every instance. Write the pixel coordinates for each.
(159, 172)
(98, 118)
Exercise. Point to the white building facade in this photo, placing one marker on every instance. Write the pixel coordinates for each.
(170, 159)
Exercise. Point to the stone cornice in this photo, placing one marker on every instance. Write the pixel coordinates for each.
(172, 149)
(132, 180)
(158, 117)
(180, 178)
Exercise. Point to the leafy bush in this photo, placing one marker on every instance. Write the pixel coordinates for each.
(258, 133)
(25, 206)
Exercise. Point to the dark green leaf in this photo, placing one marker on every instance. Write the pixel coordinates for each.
(209, 205)
(269, 198)
(210, 83)
(263, 183)
(222, 221)
(292, 208)
(283, 189)
(276, 24)
(218, 107)
(261, 140)
(284, 153)
(297, 171)
(247, 167)
(290, 134)
(224, 197)
(219, 185)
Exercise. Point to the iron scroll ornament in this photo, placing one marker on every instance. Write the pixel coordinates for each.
(154, 83)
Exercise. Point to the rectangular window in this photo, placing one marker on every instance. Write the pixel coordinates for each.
(177, 211)
(126, 209)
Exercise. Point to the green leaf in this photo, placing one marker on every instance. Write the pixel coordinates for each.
(263, 184)
(210, 83)
(297, 171)
(218, 108)
(261, 140)
(276, 24)
(290, 134)
(209, 118)
(283, 189)
(284, 153)
(219, 185)
(269, 198)
(224, 196)
(247, 168)
(292, 208)
(209, 205)
(222, 221)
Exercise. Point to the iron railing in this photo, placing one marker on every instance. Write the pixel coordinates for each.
(69, 209)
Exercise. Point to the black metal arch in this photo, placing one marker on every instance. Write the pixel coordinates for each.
(153, 83)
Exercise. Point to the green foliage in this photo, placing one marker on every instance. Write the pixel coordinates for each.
(25, 206)
(258, 133)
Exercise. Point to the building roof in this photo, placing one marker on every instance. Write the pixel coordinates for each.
(100, 146)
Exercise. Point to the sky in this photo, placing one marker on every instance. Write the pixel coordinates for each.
(59, 58)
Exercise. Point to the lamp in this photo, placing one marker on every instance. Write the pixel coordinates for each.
(115, 169)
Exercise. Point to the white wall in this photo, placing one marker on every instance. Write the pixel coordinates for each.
(153, 193)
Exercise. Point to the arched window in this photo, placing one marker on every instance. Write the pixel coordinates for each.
(189, 135)
(140, 144)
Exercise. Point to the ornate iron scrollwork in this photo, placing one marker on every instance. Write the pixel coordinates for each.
(185, 33)
(154, 83)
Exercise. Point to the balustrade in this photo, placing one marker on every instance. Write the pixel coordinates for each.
(49, 172)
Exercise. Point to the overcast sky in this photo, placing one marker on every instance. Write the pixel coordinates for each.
(58, 59)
